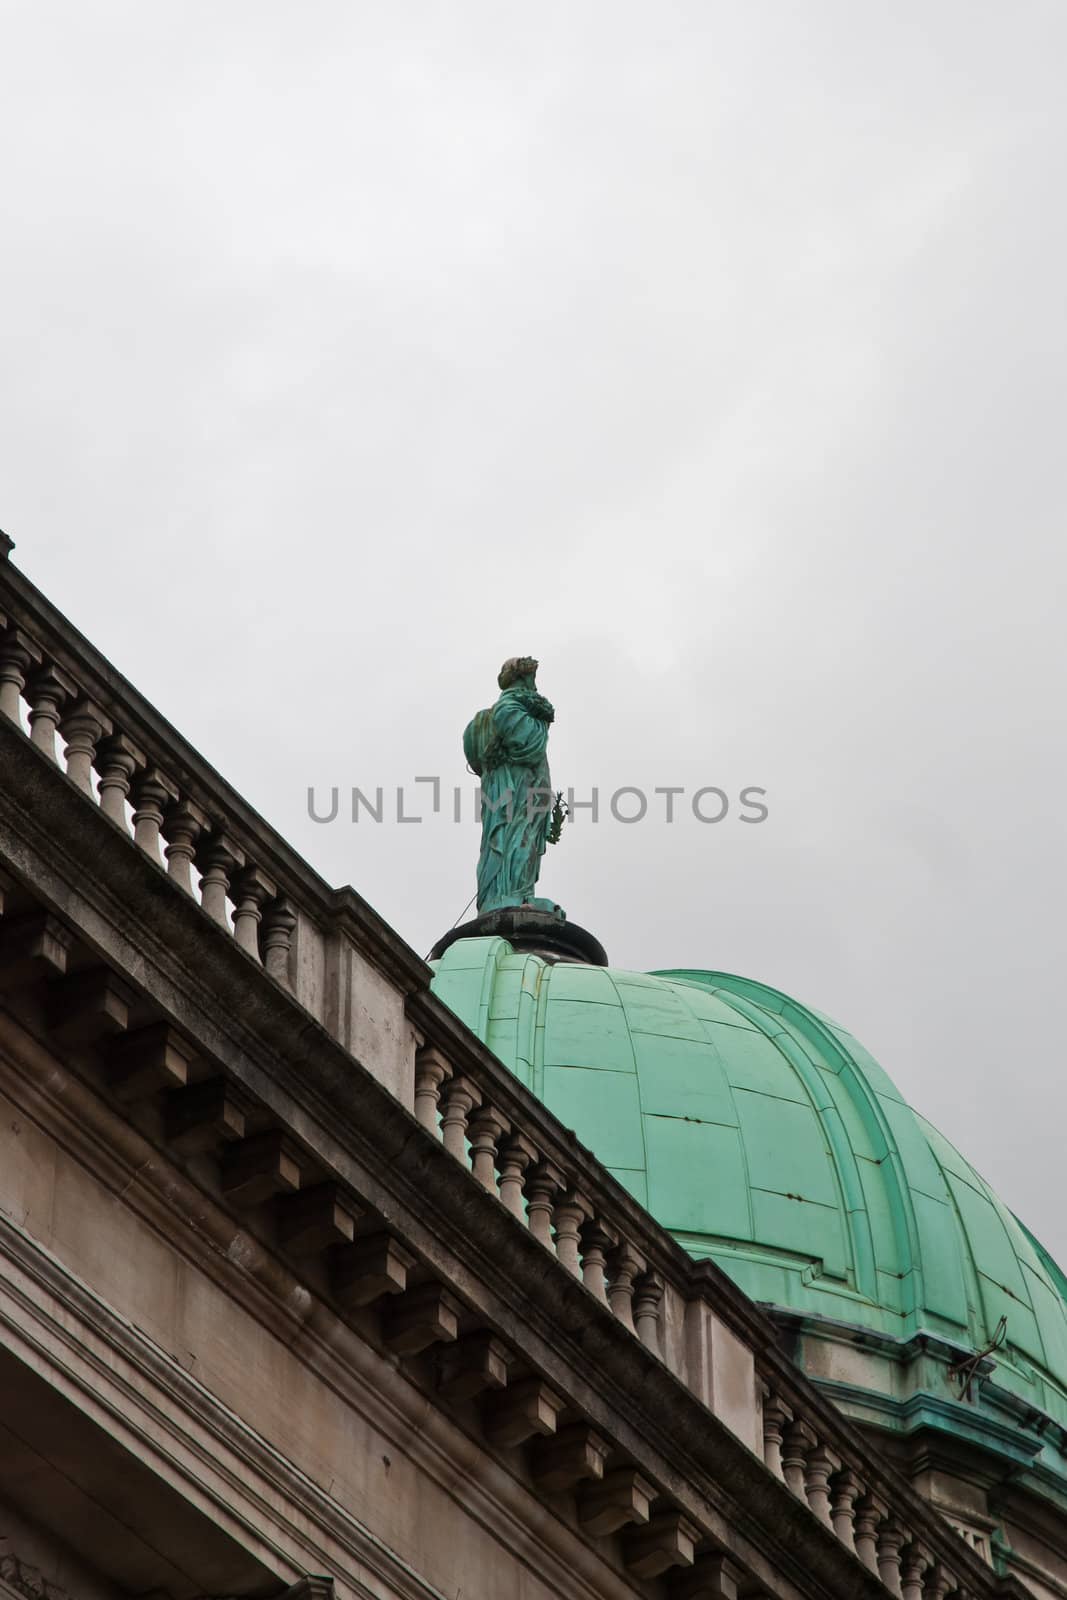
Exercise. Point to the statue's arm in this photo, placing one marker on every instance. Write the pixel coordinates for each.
(472, 746)
(523, 737)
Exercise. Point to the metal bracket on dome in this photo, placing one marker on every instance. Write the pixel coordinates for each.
(966, 1371)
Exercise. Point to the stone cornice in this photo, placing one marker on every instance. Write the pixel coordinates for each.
(929, 1411)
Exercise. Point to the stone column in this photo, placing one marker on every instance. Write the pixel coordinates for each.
(624, 1265)
(251, 891)
(891, 1537)
(183, 824)
(460, 1098)
(47, 690)
(117, 759)
(797, 1441)
(776, 1414)
(516, 1155)
(914, 1564)
(821, 1463)
(571, 1212)
(217, 859)
(870, 1511)
(648, 1298)
(17, 655)
(543, 1184)
(279, 922)
(597, 1240)
(845, 1487)
(152, 793)
(82, 728)
(431, 1071)
(485, 1131)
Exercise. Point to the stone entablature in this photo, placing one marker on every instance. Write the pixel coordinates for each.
(474, 1249)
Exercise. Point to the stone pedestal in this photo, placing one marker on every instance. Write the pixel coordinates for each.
(542, 931)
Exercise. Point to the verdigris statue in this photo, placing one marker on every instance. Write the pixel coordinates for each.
(506, 746)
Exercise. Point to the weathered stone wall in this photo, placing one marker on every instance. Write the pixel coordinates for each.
(225, 1381)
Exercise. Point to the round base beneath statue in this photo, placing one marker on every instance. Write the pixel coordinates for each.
(543, 933)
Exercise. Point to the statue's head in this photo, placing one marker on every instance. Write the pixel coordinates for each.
(514, 668)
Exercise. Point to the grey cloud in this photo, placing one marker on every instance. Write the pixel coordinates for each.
(712, 352)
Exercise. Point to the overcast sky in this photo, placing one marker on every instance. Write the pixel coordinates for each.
(713, 353)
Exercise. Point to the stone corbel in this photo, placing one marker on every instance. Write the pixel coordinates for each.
(87, 1006)
(574, 1454)
(148, 1060)
(204, 1115)
(373, 1265)
(255, 1169)
(421, 1317)
(713, 1577)
(475, 1363)
(621, 1498)
(32, 946)
(524, 1409)
(316, 1218)
(668, 1540)
(313, 1586)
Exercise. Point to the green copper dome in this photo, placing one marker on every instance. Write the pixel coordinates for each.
(763, 1135)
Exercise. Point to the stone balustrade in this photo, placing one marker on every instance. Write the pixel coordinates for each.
(322, 947)
(135, 769)
(326, 946)
(862, 1509)
(597, 1235)
(545, 1191)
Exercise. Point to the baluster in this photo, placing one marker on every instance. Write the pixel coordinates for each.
(82, 728)
(485, 1131)
(182, 826)
(571, 1212)
(431, 1071)
(543, 1184)
(597, 1240)
(117, 759)
(516, 1155)
(939, 1583)
(648, 1298)
(279, 923)
(624, 1265)
(821, 1463)
(891, 1537)
(797, 1441)
(218, 860)
(776, 1414)
(870, 1511)
(47, 690)
(460, 1097)
(845, 1488)
(152, 792)
(251, 890)
(914, 1564)
(17, 655)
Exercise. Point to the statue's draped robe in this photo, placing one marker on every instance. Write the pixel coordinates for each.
(505, 745)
